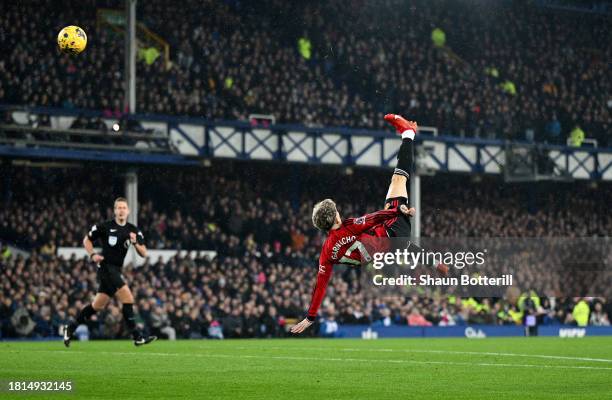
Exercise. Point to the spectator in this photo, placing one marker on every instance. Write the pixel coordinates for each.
(553, 130)
(232, 324)
(576, 136)
(598, 317)
(160, 324)
(580, 313)
(329, 325)
(415, 318)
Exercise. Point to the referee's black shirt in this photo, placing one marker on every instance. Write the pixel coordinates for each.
(115, 240)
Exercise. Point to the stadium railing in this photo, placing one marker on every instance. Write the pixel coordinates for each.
(195, 139)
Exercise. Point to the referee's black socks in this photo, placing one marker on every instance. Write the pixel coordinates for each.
(130, 320)
(83, 316)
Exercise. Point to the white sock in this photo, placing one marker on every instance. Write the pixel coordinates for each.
(408, 134)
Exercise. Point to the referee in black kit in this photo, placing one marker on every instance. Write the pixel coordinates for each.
(116, 236)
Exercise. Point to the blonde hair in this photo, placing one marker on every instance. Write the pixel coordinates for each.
(120, 199)
(324, 214)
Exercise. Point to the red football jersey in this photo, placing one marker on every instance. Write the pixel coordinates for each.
(343, 246)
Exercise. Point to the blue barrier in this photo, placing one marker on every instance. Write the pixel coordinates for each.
(568, 331)
(375, 332)
(469, 331)
(473, 331)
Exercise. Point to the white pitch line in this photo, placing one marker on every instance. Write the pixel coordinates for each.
(331, 359)
(484, 353)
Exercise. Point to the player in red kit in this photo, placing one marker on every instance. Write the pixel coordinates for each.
(342, 245)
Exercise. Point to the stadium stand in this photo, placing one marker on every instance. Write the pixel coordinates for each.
(497, 75)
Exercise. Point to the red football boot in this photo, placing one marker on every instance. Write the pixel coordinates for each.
(401, 124)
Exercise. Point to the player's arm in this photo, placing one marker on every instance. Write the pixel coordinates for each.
(137, 240)
(318, 294)
(368, 221)
(92, 235)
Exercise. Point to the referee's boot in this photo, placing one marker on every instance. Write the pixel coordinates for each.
(68, 332)
(142, 340)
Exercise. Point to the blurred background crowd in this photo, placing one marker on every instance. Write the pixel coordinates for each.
(507, 69)
(261, 279)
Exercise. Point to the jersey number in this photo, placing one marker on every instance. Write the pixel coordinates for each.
(365, 256)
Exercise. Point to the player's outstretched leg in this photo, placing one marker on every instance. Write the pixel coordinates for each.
(398, 191)
(407, 130)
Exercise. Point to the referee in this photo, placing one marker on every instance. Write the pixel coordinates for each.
(116, 236)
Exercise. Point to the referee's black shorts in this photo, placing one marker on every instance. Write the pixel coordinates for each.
(110, 279)
(400, 225)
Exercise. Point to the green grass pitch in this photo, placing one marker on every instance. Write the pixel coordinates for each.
(514, 368)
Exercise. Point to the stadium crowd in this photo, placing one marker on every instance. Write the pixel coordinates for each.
(267, 249)
(510, 70)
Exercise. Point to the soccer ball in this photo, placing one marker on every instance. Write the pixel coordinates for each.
(71, 40)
